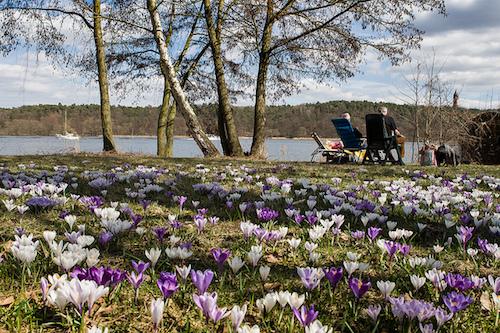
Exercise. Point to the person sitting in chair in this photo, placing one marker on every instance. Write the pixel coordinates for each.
(357, 133)
(393, 130)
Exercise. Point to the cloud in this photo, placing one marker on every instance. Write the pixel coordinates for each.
(466, 44)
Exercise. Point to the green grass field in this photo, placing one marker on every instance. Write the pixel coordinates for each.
(352, 189)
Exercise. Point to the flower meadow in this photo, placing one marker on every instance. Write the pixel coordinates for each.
(124, 245)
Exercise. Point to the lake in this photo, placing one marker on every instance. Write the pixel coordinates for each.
(277, 148)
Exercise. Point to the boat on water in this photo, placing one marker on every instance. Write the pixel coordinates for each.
(67, 135)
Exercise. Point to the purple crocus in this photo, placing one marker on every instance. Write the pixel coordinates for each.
(465, 234)
(298, 218)
(182, 200)
(135, 279)
(208, 305)
(358, 234)
(141, 266)
(392, 248)
(103, 276)
(359, 287)
(220, 256)
(105, 237)
(456, 301)
(145, 204)
(160, 233)
(404, 249)
(458, 282)
(202, 280)
(266, 214)
(136, 218)
(167, 283)
(305, 316)
(333, 275)
(373, 233)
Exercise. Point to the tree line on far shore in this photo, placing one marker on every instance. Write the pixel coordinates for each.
(283, 121)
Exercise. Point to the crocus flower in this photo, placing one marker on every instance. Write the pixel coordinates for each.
(160, 233)
(167, 283)
(334, 275)
(495, 284)
(104, 238)
(156, 308)
(220, 256)
(310, 277)
(391, 248)
(464, 235)
(304, 315)
(135, 280)
(373, 233)
(386, 288)
(202, 280)
(359, 287)
(237, 316)
(153, 255)
(373, 312)
(44, 286)
(140, 267)
(182, 200)
(458, 282)
(266, 214)
(208, 305)
(456, 301)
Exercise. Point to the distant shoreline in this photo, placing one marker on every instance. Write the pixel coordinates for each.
(153, 136)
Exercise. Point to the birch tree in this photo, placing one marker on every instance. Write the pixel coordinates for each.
(47, 16)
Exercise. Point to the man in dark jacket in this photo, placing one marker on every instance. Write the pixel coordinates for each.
(392, 129)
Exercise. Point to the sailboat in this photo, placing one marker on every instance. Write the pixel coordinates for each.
(67, 135)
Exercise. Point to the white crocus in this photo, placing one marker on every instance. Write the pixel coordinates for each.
(237, 315)
(417, 281)
(153, 255)
(236, 264)
(70, 220)
(247, 329)
(386, 288)
(294, 242)
(157, 306)
(183, 271)
(49, 236)
(295, 300)
(264, 272)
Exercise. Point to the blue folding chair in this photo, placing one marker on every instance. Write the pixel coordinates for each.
(352, 144)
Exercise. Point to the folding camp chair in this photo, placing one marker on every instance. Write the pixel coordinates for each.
(379, 143)
(331, 155)
(353, 146)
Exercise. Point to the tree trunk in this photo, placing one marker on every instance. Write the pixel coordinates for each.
(107, 129)
(259, 127)
(172, 110)
(161, 132)
(227, 127)
(206, 146)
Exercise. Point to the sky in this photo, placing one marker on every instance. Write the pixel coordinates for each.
(466, 44)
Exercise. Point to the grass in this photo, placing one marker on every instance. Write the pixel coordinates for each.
(22, 310)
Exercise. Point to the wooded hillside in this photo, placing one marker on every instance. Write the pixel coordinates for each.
(285, 120)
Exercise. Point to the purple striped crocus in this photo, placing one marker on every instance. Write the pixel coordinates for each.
(202, 280)
(220, 257)
(359, 287)
(304, 315)
(167, 283)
